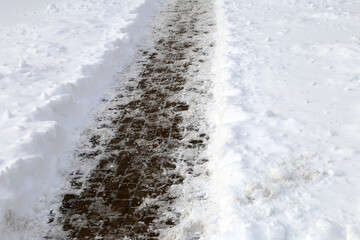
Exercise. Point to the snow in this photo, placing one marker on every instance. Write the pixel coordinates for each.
(285, 152)
(56, 61)
(284, 156)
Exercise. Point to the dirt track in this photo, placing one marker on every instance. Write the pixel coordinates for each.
(153, 118)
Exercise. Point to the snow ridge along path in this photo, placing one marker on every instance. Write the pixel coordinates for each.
(55, 66)
(148, 142)
(286, 151)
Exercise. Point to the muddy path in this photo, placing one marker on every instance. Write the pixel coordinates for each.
(148, 138)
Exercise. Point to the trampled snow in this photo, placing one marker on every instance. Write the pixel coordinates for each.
(56, 60)
(286, 152)
(284, 157)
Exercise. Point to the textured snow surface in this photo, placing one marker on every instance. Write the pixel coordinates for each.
(56, 61)
(286, 152)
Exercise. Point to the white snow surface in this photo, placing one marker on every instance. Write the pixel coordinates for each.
(285, 154)
(285, 157)
(57, 58)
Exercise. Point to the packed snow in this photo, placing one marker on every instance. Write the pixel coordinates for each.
(56, 61)
(285, 157)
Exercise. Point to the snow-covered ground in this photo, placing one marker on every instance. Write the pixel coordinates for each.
(56, 61)
(286, 153)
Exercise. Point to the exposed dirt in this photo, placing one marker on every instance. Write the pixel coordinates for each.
(150, 121)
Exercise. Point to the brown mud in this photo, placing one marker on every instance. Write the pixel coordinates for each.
(148, 124)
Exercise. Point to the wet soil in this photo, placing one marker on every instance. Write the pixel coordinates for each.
(149, 124)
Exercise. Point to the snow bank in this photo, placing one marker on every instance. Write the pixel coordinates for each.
(285, 155)
(56, 61)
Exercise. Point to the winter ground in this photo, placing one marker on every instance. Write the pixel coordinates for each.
(286, 157)
(147, 140)
(56, 61)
